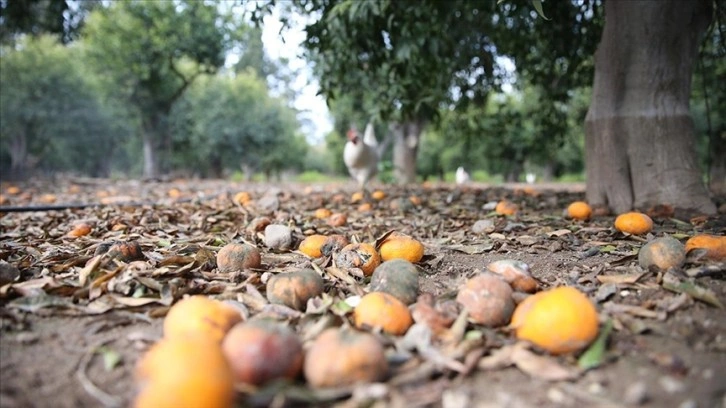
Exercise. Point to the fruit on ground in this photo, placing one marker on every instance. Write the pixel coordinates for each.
(242, 198)
(322, 213)
(560, 320)
(384, 311)
(378, 195)
(340, 357)
(662, 253)
(294, 289)
(713, 246)
(237, 257)
(401, 247)
(579, 210)
(260, 351)
(337, 219)
(362, 256)
(397, 277)
(515, 273)
(488, 299)
(506, 207)
(312, 245)
(184, 372)
(635, 223)
(200, 316)
(79, 230)
(333, 244)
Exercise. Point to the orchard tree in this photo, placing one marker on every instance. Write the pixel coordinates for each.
(150, 52)
(643, 69)
(51, 117)
(230, 122)
(640, 140)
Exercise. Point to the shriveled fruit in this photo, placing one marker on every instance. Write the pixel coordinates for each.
(237, 257)
(126, 251)
(184, 372)
(401, 247)
(333, 244)
(312, 245)
(337, 220)
(200, 316)
(365, 207)
(79, 230)
(560, 320)
(437, 317)
(258, 224)
(488, 299)
(506, 207)
(340, 357)
(713, 246)
(242, 198)
(260, 351)
(294, 289)
(635, 223)
(322, 213)
(662, 253)
(362, 256)
(515, 273)
(382, 310)
(579, 210)
(397, 277)
(278, 237)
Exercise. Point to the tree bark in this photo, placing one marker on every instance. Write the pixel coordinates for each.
(406, 138)
(639, 133)
(717, 171)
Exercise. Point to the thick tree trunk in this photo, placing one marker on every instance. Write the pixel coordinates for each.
(406, 137)
(639, 133)
(717, 172)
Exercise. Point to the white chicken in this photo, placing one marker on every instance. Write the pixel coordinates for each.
(361, 155)
(462, 176)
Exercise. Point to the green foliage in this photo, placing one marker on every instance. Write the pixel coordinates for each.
(50, 115)
(226, 122)
(151, 52)
(62, 18)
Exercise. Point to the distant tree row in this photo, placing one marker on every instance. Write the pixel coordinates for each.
(138, 88)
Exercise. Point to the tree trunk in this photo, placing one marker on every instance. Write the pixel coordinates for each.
(405, 147)
(639, 133)
(152, 134)
(717, 171)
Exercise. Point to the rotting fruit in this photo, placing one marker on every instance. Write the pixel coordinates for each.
(200, 316)
(634, 223)
(333, 244)
(488, 299)
(340, 357)
(506, 207)
(560, 320)
(294, 289)
(713, 246)
(237, 257)
(579, 210)
(397, 277)
(259, 351)
(662, 253)
(184, 372)
(401, 247)
(384, 311)
(515, 273)
(362, 256)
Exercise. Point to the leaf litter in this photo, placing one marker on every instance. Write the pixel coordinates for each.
(142, 259)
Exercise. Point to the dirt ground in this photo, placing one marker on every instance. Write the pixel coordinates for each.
(71, 334)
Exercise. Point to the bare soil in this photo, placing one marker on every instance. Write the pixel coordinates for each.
(71, 334)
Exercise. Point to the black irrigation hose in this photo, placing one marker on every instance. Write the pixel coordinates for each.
(76, 206)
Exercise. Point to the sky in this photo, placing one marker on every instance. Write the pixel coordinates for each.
(313, 108)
